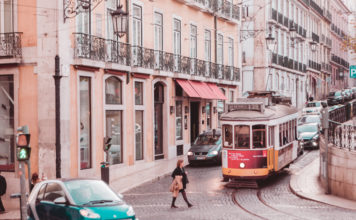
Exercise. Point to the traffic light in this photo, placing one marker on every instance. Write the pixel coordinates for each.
(107, 144)
(23, 150)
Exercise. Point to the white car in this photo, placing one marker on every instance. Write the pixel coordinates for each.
(314, 108)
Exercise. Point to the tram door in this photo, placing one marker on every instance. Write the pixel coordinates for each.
(271, 145)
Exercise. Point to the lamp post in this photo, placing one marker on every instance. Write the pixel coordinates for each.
(271, 46)
(313, 46)
(293, 34)
(120, 20)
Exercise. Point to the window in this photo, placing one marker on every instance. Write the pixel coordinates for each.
(193, 41)
(271, 135)
(139, 134)
(53, 191)
(208, 114)
(158, 31)
(136, 25)
(231, 96)
(83, 22)
(220, 49)
(138, 93)
(231, 52)
(113, 118)
(179, 120)
(177, 37)
(259, 136)
(242, 136)
(6, 16)
(7, 126)
(41, 193)
(207, 45)
(227, 136)
(98, 23)
(85, 122)
(139, 114)
(220, 107)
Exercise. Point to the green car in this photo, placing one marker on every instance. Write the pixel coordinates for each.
(78, 199)
(308, 135)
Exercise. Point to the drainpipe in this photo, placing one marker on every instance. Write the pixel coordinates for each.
(57, 77)
(128, 40)
(216, 38)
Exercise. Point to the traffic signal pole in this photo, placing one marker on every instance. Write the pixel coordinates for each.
(23, 198)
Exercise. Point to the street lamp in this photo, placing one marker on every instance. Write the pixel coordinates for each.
(271, 42)
(119, 18)
(313, 46)
(293, 32)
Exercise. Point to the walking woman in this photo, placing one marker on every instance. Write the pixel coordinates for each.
(179, 184)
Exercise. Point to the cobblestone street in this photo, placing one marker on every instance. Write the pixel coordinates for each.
(212, 200)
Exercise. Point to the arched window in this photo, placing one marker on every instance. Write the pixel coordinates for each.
(113, 118)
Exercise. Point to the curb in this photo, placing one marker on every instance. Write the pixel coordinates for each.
(298, 192)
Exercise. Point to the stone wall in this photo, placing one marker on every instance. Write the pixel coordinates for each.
(342, 170)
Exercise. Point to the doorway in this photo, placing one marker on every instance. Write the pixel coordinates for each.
(194, 120)
(158, 120)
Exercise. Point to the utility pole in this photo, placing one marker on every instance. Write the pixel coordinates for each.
(325, 125)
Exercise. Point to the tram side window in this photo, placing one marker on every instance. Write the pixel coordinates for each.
(280, 134)
(242, 136)
(295, 130)
(259, 136)
(271, 135)
(227, 136)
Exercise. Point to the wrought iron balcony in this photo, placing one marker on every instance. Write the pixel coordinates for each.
(307, 2)
(99, 49)
(89, 47)
(280, 18)
(285, 21)
(117, 52)
(236, 12)
(315, 37)
(274, 14)
(316, 7)
(314, 65)
(10, 45)
(328, 15)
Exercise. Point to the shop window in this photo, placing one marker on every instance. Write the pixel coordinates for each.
(242, 136)
(227, 136)
(85, 122)
(7, 139)
(139, 134)
(179, 90)
(208, 114)
(113, 118)
(259, 136)
(179, 120)
(138, 93)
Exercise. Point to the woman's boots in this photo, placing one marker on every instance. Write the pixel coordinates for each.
(173, 201)
(186, 200)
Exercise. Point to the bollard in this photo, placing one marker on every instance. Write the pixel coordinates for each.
(105, 172)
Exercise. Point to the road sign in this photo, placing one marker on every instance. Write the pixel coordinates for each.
(353, 71)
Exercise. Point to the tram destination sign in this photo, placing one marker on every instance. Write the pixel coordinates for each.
(249, 104)
(353, 71)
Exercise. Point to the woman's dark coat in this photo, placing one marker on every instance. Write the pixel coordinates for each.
(181, 172)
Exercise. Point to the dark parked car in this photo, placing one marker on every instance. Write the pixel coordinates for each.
(308, 135)
(353, 92)
(206, 148)
(348, 94)
(335, 98)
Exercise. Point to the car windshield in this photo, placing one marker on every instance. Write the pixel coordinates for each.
(307, 128)
(309, 119)
(90, 192)
(313, 104)
(207, 140)
(334, 93)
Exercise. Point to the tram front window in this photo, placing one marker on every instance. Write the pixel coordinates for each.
(259, 136)
(227, 136)
(242, 136)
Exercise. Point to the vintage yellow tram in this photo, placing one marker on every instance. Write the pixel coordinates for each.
(259, 138)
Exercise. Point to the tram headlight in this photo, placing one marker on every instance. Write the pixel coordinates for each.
(242, 165)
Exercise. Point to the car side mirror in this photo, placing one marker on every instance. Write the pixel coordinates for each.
(60, 200)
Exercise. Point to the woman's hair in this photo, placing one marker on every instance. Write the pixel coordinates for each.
(34, 177)
(179, 162)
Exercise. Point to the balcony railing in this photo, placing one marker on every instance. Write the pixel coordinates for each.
(288, 63)
(307, 2)
(328, 42)
(280, 18)
(285, 21)
(316, 7)
(315, 37)
(274, 14)
(10, 45)
(98, 49)
(314, 65)
(328, 15)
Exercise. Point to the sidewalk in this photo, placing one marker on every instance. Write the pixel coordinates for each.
(11, 214)
(305, 183)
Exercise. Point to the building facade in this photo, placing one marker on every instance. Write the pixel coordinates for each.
(152, 91)
(300, 66)
(339, 54)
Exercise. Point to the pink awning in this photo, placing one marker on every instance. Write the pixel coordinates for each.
(187, 87)
(218, 93)
(203, 90)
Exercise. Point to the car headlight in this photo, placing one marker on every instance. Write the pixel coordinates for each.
(87, 213)
(242, 165)
(190, 153)
(130, 212)
(315, 137)
(213, 153)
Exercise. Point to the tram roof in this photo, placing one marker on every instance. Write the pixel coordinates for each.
(269, 113)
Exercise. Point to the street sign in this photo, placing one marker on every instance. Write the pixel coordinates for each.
(353, 71)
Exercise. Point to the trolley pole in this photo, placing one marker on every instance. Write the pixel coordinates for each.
(325, 124)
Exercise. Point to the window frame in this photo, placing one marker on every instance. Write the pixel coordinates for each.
(138, 40)
(142, 109)
(177, 138)
(116, 107)
(158, 47)
(177, 46)
(207, 45)
(193, 41)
